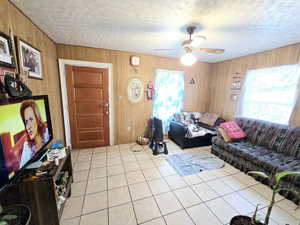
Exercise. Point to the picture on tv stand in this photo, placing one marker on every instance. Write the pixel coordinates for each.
(24, 132)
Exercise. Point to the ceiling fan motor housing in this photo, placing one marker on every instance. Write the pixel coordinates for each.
(191, 30)
(188, 43)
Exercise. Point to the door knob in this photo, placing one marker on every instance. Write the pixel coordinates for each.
(105, 105)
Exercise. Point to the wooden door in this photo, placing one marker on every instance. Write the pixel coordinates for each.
(87, 90)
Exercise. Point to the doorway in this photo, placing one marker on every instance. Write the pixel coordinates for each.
(88, 103)
(65, 99)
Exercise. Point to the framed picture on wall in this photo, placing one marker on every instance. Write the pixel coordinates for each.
(30, 60)
(234, 97)
(6, 51)
(236, 83)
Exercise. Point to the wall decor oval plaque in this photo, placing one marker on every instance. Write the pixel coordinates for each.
(135, 90)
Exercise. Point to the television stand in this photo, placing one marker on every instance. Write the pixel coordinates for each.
(37, 164)
(39, 193)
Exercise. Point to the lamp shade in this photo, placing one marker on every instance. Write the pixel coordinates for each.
(188, 59)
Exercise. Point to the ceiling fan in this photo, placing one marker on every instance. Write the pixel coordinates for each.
(192, 45)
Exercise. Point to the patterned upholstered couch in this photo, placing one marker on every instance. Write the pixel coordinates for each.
(269, 147)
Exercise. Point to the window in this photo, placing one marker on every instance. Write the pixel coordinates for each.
(169, 91)
(270, 94)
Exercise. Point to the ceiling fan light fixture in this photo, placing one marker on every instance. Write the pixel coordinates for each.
(197, 41)
(188, 59)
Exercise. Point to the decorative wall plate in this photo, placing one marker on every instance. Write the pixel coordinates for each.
(135, 90)
(135, 60)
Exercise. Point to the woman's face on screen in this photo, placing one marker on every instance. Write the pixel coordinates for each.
(30, 123)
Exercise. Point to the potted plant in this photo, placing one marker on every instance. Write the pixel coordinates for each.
(15, 215)
(276, 188)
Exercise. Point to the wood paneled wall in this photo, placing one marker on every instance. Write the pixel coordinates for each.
(211, 92)
(12, 19)
(223, 72)
(131, 119)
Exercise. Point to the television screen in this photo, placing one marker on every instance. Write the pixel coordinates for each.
(25, 129)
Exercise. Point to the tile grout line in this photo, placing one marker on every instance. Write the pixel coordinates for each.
(183, 208)
(86, 189)
(108, 208)
(204, 202)
(87, 181)
(163, 177)
(132, 205)
(153, 196)
(171, 191)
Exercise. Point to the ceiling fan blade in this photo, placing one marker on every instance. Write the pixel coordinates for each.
(210, 50)
(165, 49)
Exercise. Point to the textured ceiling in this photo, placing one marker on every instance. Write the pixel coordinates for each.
(241, 27)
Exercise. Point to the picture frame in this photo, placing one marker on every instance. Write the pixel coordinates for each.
(233, 97)
(6, 51)
(236, 83)
(30, 60)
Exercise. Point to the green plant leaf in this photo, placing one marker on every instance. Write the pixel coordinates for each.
(279, 176)
(9, 217)
(286, 189)
(259, 174)
(3, 223)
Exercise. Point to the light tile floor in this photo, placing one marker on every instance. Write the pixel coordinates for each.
(115, 186)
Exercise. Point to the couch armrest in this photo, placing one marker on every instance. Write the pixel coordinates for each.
(177, 133)
(178, 127)
(214, 127)
(204, 125)
(219, 121)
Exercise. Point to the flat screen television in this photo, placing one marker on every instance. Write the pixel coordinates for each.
(25, 130)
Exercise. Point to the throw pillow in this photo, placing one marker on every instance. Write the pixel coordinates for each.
(188, 118)
(195, 116)
(233, 130)
(224, 135)
(209, 118)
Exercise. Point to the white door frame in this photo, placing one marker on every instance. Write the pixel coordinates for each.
(63, 85)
